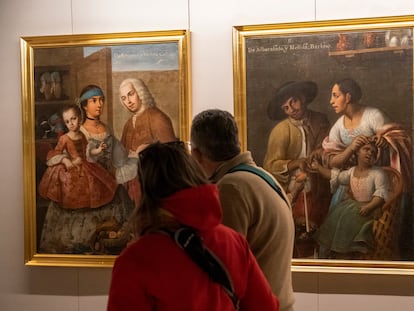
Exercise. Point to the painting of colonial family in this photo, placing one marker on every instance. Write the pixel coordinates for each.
(337, 109)
(94, 108)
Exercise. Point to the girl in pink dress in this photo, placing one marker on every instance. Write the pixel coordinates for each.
(71, 180)
(89, 206)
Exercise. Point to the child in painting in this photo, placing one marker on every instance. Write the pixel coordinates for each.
(70, 180)
(347, 230)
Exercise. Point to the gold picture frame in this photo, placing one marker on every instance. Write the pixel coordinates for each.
(159, 58)
(376, 52)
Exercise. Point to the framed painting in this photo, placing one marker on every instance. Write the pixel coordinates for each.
(307, 94)
(80, 161)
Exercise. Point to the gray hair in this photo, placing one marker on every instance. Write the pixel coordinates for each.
(214, 133)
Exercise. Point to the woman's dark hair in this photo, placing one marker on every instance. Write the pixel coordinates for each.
(164, 169)
(350, 86)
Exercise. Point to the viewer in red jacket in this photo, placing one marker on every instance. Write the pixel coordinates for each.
(154, 273)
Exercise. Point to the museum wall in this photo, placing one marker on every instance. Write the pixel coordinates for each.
(31, 288)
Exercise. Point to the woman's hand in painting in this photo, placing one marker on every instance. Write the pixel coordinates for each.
(358, 142)
(342, 159)
(102, 146)
(99, 149)
(315, 155)
(380, 141)
(77, 161)
(314, 166)
(67, 163)
(314, 161)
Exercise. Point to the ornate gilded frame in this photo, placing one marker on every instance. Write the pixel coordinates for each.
(160, 58)
(265, 56)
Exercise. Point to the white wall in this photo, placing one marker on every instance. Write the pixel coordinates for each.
(210, 22)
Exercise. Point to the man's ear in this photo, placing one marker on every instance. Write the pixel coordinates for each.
(348, 97)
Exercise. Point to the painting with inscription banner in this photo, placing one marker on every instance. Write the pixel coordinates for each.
(327, 109)
(89, 103)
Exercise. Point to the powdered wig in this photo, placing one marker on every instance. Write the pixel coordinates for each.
(142, 90)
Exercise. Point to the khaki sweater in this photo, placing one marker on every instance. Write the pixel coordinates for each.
(253, 208)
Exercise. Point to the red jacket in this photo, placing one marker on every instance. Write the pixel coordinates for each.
(153, 273)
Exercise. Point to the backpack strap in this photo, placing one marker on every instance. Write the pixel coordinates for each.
(252, 169)
(188, 239)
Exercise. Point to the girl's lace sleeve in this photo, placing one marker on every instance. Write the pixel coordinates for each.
(334, 181)
(381, 184)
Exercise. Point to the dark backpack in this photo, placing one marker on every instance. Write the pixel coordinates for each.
(189, 240)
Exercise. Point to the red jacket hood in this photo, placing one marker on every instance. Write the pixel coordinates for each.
(197, 207)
